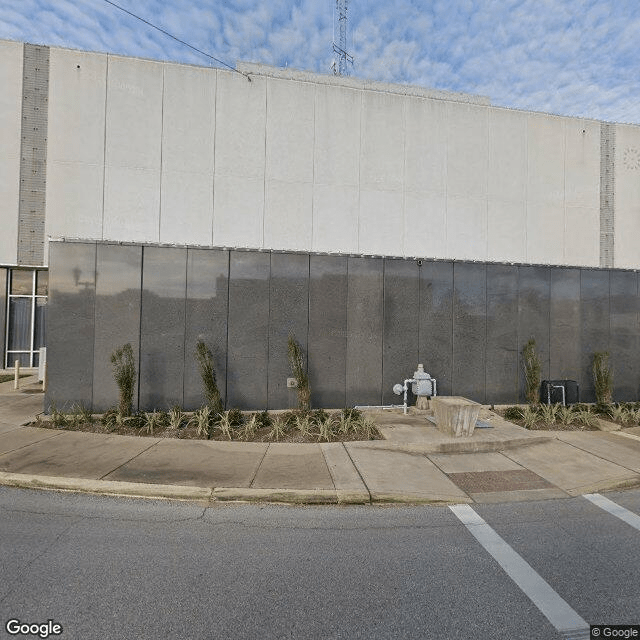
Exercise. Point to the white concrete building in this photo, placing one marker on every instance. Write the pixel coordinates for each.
(103, 147)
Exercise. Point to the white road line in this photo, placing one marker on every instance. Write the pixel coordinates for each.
(552, 606)
(614, 509)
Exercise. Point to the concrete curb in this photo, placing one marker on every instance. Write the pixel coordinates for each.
(294, 496)
(106, 487)
(416, 498)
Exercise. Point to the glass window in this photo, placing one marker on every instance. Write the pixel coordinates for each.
(26, 317)
(19, 324)
(42, 283)
(21, 282)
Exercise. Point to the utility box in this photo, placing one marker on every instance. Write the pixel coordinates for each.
(559, 391)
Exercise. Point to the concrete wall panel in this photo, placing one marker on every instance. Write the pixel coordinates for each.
(534, 291)
(382, 142)
(506, 231)
(469, 330)
(328, 330)
(289, 131)
(467, 228)
(288, 216)
(162, 326)
(248, 346)
(467, 150)
(564, 325)
(582, 236)
(205, 319)
(132, 204)
(337, 136)
(134, 113)
(582, 163)
(364, 331)
(381, 222)
(188, 119)
(545, 159)
(71, 318)
(77, 95)
(507, 150)
(401, 325)
(425, 230)
(436, 323)
(240, 125)
(10, 127)
(335, 218)
(545, 232)
(426, 145)
(624, 338)
(502, 376)
(288, 315)
(117, 317)
(238, 211)
(594, 325)
(74, 200)
(186, 208)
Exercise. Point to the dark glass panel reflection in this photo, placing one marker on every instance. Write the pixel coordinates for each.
(20, 323)
(42, 283)
(40, 333)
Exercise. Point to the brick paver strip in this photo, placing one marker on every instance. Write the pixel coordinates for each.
(488, 481)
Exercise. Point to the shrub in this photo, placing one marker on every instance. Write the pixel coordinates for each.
(235, 417)
(154, 420)
(250, 427)
(124, 373)
(299, 372)
(263, 419)
(57, 417)
(513, 413)
(176, 417)
(208, 375)
(202, 421)
(531, 364)
(530, 417)
(602, 377)
(278, 429)
(352, 413)
(565, 415)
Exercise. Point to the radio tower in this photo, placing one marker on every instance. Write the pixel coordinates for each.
(340, 50)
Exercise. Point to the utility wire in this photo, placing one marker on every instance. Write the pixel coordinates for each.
(166, 33)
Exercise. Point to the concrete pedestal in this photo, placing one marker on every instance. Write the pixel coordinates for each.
(455, 415)
(422, 403)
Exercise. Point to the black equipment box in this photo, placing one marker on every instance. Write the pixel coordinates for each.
(551, 391)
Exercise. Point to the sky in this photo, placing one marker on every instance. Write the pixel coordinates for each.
(568, 57)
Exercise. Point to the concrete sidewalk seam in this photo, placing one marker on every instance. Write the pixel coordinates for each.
(153, 444)
(355, 466)
(595, 455)
(255, 473)
(24, 446)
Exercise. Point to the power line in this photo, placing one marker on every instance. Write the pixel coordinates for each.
(166, 33)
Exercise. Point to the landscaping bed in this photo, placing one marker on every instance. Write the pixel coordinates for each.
(280, 426)
(577, 417)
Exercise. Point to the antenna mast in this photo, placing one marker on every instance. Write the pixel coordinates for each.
(340, 50)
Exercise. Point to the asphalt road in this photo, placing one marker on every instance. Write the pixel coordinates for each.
(120, 568)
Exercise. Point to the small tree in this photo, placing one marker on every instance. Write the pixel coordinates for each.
(531, 371)
(208, 375)
(299, 372)
(124, 373)
(602, 377)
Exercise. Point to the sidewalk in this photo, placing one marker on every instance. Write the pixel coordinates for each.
(414, 464)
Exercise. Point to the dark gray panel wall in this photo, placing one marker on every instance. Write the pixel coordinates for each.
(533, 316)
(435, 341)
(3, 312)
(564, 325)
(623, 341)
(206, 319)
(328, 330)
(364, 322)
(248, 348)
(164, 275)
(118, 273)
(401, 324)
(71, 319)
(288, 315)
(364, 331)
(594, 321)
(502, 377)
(469, 330)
